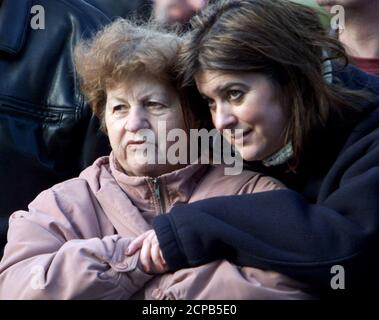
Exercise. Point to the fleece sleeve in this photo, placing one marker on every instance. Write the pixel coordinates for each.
(280, 230)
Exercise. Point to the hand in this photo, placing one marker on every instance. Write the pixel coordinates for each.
(151, 257)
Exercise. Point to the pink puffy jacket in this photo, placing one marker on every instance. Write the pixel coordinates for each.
(70, 244)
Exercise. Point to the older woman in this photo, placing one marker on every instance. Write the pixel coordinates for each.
(265, 67)
(72, 242)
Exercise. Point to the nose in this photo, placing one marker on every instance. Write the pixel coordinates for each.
(136, 119)
(224, 117)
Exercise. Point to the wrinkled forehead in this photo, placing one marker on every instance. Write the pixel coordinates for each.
(141, 85)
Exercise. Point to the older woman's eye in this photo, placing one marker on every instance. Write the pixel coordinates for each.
(155, 105)
(120, 107)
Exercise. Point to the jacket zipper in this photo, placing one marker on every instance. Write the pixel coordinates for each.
(158, 194)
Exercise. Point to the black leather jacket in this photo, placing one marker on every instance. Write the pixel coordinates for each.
(47, 132)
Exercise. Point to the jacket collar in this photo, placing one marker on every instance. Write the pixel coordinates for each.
(14, 22)
(131, 214)
(153, 197)
(353, 78)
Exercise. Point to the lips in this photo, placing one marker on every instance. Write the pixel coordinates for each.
(135, 142)
(239, 138)
(245, 133)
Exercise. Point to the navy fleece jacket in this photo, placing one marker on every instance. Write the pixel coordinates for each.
(330, 216)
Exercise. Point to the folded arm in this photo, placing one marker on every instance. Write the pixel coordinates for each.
(46, 258)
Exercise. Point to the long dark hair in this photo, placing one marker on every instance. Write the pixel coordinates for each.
(278, 38)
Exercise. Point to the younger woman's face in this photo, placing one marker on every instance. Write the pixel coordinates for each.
(249, 102)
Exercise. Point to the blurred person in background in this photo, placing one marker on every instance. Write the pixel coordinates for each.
(123, 8)
(170, 13)
(47, 131)
(177, 13)
(360, 34)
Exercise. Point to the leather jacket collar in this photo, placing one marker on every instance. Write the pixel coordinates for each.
(14, 18)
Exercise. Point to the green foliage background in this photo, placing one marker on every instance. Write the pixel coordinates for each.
(324, 16)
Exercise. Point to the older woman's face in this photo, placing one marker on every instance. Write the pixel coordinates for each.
(249, 102)
(142, 104)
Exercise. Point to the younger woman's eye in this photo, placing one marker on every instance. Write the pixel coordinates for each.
(235, 95)
(211, 103)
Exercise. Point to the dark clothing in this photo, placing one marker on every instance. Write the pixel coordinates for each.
(123, 8)
(370, 65)
(331, 217)
(47, 132)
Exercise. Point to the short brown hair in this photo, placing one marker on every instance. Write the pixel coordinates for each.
(119, 51)
(278, 38)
